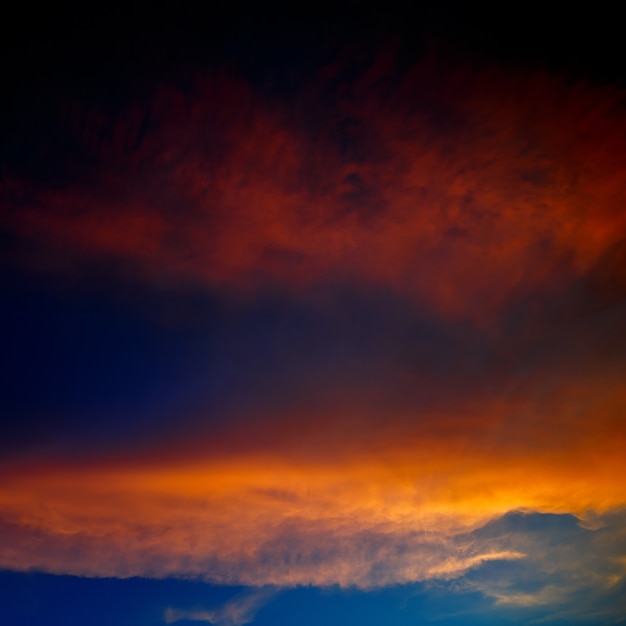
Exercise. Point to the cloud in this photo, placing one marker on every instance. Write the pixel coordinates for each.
(240, 610)
(464, 189)
(481, 210)
(569, 571)
(455, 566)
(321, 499)
(366, 522)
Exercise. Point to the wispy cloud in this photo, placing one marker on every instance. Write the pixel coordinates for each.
(455, 566)
(239, 610)
(569, 571)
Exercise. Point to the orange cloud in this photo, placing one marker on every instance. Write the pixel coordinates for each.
(393, 507)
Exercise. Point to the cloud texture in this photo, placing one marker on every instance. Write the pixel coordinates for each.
(452, 242)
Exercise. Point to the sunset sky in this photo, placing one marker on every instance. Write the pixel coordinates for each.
(313, 315)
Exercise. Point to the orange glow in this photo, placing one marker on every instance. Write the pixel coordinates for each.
(294, 514)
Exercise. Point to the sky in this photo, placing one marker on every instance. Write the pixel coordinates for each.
(313, 315)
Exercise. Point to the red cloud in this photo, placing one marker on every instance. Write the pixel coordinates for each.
(464, 188)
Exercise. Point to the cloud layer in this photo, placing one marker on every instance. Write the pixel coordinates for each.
(442, 250)
(466, 189)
